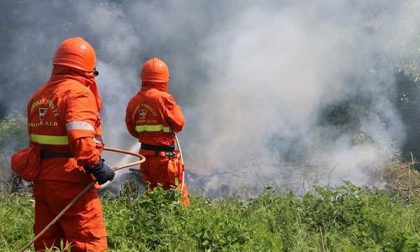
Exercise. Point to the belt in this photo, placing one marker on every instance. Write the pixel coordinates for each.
(157, 148)
(51, 154)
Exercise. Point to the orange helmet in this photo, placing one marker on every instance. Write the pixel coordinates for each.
(155, 70)
(77, 53)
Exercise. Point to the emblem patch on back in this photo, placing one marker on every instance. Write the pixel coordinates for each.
(142, 114)
(42, 112)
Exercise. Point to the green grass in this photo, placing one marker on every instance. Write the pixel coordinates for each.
(16, 221)
(346, 218)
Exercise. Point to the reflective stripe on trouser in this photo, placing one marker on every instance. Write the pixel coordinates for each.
(152, 128)
(82, 226)
(49, 139)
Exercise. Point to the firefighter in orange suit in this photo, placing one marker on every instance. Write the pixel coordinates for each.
(63, 118)
(153, 116)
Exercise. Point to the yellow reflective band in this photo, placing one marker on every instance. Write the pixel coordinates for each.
(152, 128)
(48, 139)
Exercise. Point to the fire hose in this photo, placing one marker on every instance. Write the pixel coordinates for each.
(141, 160)
(182, 161)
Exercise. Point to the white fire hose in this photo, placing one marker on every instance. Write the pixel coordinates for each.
(182, 161)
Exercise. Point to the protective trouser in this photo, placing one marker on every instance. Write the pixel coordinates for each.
(164, 169)
(81, 227)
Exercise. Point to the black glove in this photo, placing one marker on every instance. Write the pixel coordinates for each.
(101, 171)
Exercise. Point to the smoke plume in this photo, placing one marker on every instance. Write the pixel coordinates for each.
(256, 80)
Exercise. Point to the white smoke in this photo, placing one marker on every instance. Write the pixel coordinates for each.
(253, 78)
(273, 70)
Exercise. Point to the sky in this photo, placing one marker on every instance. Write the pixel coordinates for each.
(254, 78)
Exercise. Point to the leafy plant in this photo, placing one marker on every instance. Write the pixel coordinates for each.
(345, 218)
(13, 136)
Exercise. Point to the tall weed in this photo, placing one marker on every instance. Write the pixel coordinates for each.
(345, 218)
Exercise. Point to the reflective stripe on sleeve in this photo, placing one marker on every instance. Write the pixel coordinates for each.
(48, 139)
(152, 128)
(79, 125)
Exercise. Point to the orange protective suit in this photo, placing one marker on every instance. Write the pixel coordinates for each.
(153, 116)
(63, 118)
